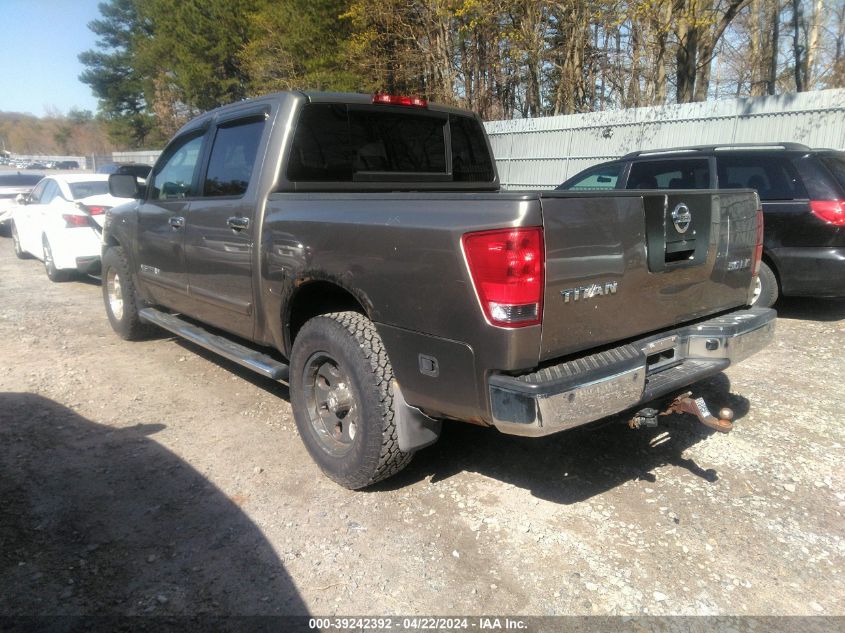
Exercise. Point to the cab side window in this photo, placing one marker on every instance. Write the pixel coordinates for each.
(233, 157)
(174, 178)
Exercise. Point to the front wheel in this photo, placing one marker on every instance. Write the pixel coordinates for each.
(16, 240)
(120, 297)
(343, 400)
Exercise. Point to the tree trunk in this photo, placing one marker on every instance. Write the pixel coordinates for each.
(771, 82)
(685, 62)
(797, 48)
(813, 44)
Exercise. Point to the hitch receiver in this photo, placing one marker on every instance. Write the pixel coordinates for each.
(685, 403)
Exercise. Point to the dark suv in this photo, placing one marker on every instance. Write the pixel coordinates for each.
(802, 191)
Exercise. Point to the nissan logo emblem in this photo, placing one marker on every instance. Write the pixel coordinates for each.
(681, 218)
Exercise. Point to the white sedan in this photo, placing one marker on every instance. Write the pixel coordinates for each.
(60, 223)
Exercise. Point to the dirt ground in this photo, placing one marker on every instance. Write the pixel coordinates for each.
(155, 478)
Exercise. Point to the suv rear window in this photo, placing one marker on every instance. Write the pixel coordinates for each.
(836, 164)
(674, 173)
(340, 143)
(773, 177)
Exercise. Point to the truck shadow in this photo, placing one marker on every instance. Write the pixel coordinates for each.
(567, 467)
(101, 520)
(811, 309)
(575, 465)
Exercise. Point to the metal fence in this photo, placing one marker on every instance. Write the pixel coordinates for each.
(542, 153)
(145, 157)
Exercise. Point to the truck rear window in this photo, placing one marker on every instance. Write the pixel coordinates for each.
(347, 143)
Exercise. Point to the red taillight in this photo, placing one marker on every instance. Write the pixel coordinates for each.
(830, 211)
(507, 269)
(758, 249)
(72, 221)
(416, 102)
(92, 209)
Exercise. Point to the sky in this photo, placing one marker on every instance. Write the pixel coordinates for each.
(39, 44)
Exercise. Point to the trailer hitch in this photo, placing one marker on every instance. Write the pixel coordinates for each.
(685, 403)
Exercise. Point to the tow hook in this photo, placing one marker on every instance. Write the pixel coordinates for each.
(685, 403)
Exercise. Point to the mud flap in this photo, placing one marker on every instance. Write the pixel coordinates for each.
(415, 429)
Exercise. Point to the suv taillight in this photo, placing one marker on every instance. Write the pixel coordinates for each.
(830, 211)
(507, 268)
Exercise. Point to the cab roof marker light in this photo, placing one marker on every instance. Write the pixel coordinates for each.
(386, 99)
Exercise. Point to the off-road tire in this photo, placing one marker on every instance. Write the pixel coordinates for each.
(769, 291)
(16, 240)
(127, 324)
(56, 275)
(352, 341)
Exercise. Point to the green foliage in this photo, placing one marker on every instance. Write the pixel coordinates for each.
(196, 44)
(160, 62)
(112, 72)
(300, 44)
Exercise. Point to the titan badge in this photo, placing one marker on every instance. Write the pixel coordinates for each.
(588, 292)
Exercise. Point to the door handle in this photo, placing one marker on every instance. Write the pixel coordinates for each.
(176, 222)
(238, 223)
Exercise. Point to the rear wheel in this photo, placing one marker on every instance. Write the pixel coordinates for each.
(16, 240)
(766, 290)
(343, 400)
(53, 273)
(120, 297)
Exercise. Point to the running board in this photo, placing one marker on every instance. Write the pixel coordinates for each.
(240, 354)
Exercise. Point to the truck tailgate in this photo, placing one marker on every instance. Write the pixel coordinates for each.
(620, 264)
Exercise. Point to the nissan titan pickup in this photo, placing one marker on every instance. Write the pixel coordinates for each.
(359, 249)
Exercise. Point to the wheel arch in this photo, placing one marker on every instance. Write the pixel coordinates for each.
(318, 297)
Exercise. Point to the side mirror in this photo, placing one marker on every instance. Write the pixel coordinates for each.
(125, 186)
(21, 198)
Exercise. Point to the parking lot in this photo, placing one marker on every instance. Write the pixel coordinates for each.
(153, 477)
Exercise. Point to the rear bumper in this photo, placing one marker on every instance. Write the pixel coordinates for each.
(89, 265)
(586, 389)
(811, 272)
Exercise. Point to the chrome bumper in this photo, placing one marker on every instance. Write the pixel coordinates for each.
(576, 392)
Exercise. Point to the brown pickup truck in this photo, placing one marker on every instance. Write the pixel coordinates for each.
(358, 248)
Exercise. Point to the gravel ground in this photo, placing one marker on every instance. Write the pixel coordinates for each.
(155, 478)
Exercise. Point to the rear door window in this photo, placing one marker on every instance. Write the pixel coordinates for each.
(773, 177)
(689, 173)
(50, 192)
(597, 178)
(233, 157)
